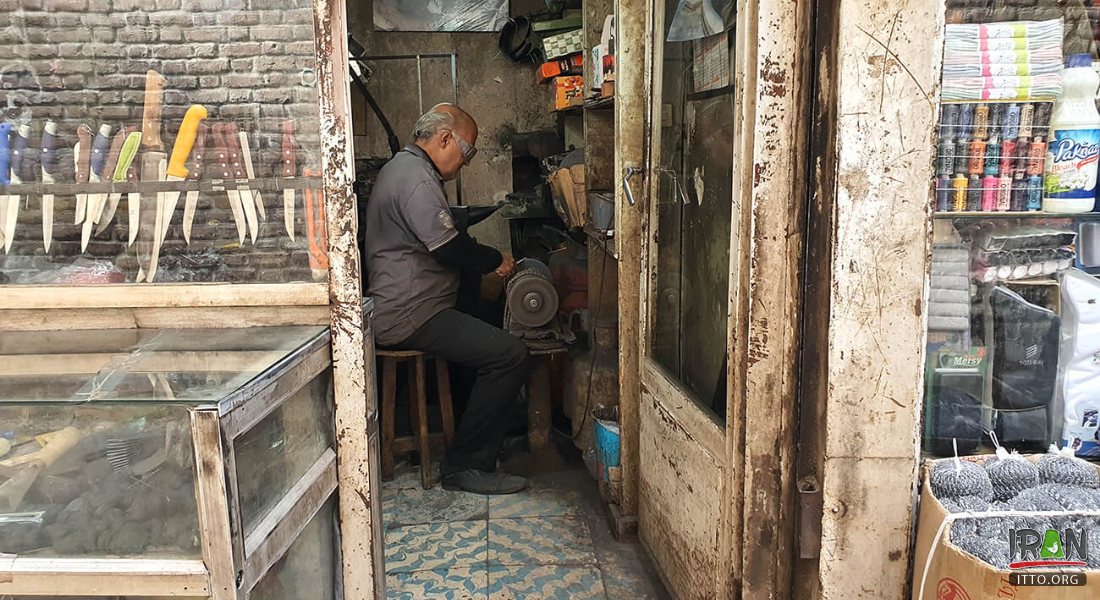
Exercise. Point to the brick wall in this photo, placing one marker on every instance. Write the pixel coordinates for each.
(84, 61)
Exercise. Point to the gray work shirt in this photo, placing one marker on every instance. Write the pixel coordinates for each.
(407, 218)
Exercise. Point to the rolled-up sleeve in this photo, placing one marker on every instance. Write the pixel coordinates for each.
(426, 213)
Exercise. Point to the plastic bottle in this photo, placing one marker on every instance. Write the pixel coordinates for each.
(1074, 144)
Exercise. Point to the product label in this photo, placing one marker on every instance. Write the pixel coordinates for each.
(1072, 156)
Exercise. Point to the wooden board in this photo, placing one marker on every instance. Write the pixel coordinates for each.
(103, 577)
(212, 498)
(68, 319)
(127, 295)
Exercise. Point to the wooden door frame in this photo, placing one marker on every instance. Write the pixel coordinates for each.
(756, 536)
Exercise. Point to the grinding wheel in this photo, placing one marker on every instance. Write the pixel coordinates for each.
(532, 299)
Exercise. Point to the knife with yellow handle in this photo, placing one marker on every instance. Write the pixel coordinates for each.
(122, 168)
(177, 171)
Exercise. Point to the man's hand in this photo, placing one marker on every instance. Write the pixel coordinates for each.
(506, 266)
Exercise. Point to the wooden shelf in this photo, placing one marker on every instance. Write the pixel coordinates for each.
(1032, 214)
(600, 104)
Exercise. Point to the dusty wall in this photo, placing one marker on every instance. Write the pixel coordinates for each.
(501, 95)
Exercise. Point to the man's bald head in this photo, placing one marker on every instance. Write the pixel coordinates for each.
(445, 116)
(442, 132)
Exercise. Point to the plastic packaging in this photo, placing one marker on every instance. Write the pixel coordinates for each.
(1074, 145)
(1078, 364)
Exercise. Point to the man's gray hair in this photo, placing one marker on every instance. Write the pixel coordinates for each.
(431, 122)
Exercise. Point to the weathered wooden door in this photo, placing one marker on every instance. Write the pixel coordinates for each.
(686, 302)
(721, 293)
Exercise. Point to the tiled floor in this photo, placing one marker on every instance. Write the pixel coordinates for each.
(550, 542)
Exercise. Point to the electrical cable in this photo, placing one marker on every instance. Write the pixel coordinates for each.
(595, 347)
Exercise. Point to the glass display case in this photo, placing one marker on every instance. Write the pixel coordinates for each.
(1012, 354)
(141, 462)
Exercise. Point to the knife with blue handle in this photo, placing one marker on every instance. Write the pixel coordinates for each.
(48, 160)
(97, 163)
(18, 150)
(5, 177)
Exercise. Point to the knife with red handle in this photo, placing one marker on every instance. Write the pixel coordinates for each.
(288, 168)
(221, 155)
(238, 170)
(82, 154)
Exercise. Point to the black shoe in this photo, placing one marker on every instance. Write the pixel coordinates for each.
(477, 481)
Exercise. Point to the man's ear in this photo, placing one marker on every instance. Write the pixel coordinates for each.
(445, 138)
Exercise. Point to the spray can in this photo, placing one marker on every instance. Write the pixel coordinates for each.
(993, 156)
(966, 122)
(1019, 192)
(1004, 193)
(1012, 122)
(1035, 155)
(989, 194)
(945, 166)
(1035, 192)
(949, 120)
(981, 121)
(959, 193)
(943, 194)
(1008, 157)
(1027, 115)
(996, 119)
(974, 194)
(977, 158)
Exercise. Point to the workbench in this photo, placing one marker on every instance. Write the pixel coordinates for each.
(161, 462)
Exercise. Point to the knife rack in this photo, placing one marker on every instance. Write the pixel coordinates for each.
(274, 184)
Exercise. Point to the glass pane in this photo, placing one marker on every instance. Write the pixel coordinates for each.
(191, 366)
(277, 452)
(97, 481)
(1012, 345)
(694, 212)
(105, 71)
(309, 568)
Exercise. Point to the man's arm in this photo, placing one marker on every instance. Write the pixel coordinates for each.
(463, 252)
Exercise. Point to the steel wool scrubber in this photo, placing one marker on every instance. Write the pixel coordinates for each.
(1061, 466)
(954, 478)
(1010, 474)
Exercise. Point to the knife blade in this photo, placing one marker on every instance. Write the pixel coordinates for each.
(81, 156)
(48, 159)
(96, 163)
(18, 149)
(191, 202)
(5, 177)
(221, 154)
(102, 161)
(288, 169)
(133, 204)
(176, 171)
(237, 168)
(153, 162)
(124, 161)
(246, 156)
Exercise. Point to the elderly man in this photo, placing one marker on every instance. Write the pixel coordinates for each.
(414, 256)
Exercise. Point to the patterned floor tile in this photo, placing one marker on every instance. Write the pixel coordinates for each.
(540, 541)
(445, 584)
(545, 583)
(536, 503)
(419, 506)
(436, 546)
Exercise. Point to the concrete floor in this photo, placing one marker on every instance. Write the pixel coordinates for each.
(549, 542)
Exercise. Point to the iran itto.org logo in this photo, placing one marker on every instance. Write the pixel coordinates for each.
(1031, 548)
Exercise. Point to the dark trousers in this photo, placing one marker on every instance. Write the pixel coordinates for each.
(501, 361)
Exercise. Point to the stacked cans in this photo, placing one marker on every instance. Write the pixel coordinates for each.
(990, 156)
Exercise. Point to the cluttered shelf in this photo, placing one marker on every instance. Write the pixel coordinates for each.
(605, 240)
(1032, 214)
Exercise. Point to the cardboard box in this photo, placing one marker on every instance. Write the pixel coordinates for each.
(953, 574)
(568, 91)
(570, 65)
(570, 200)
(557, 46)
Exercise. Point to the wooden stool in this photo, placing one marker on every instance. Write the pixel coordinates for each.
(420, 440)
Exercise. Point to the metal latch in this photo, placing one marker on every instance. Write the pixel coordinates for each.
(811, 503)
(631, 171)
